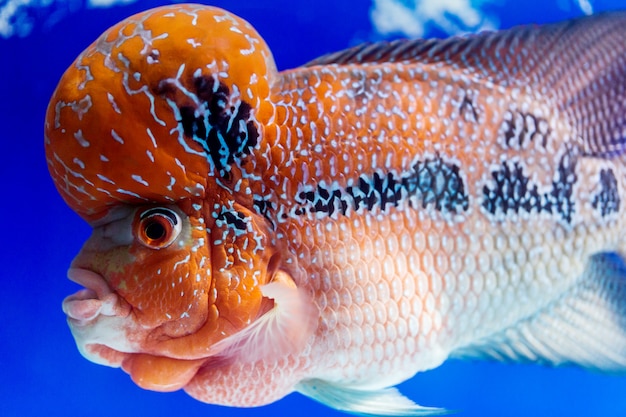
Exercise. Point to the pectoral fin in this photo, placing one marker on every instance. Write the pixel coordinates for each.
(383, 402)
(284, 329)
(586, 326)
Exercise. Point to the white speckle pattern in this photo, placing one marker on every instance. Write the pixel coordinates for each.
(425, 195)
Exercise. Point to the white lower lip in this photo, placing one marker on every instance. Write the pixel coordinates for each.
(86, 304)
(95, 299)
(82, 306)
(98, 318)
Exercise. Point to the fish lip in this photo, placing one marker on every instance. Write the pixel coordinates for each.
(96, 299)
(90, 280)
(104, 355)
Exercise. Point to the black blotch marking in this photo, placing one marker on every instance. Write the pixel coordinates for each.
(467, 107)
(607, 200)
(193, 126)
(225, 130)
(524, 128)
(432, 182)
(264, 208)
(438, 182)
(513, 191)
(563, 186)
(234, 219)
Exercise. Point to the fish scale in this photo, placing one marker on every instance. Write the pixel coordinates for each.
(336, 228)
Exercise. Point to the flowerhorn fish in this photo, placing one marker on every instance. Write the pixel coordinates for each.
(336, 228)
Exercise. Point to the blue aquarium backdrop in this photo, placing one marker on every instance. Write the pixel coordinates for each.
(41, 371)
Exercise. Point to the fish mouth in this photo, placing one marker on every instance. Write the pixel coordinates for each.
(99, 319)
(94, 300)
(105, 333)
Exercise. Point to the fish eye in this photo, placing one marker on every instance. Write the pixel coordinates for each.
(157, 227)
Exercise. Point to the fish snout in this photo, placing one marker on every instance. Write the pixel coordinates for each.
(96, 299)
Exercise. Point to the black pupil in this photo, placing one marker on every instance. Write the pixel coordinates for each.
(155, 230)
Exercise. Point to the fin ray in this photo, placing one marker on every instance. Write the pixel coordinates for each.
(282, 330)
(383, 402)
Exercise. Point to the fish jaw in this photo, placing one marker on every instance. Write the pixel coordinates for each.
(99, 319)
(106, 333)
(94, 300)
(107, 319)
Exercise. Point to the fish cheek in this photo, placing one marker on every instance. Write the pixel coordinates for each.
(109, 263)
(241, 252)
(167, 288)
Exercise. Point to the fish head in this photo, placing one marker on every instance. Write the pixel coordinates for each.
(145, 136)
(164, 284)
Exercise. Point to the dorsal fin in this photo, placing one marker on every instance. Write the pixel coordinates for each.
(400, 50)
(579, 65)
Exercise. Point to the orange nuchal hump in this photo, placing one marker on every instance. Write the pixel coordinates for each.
(113, 129)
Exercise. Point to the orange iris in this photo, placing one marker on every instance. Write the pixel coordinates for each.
(157, 227)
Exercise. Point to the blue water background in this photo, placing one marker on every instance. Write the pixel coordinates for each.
(42, 373)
